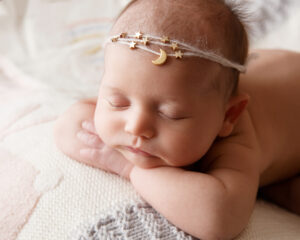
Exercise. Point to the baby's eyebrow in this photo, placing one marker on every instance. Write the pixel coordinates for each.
(175, 103)
(112, 88)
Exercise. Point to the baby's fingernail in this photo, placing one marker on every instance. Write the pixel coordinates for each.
(88, 138)
(82, 135)
(86, 124)
(79, 134)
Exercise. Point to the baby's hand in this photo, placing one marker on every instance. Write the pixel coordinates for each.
(99, 155)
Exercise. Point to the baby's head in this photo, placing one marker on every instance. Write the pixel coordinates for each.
(170, 114)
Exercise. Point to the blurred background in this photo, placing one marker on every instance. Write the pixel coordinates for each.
(58, 43)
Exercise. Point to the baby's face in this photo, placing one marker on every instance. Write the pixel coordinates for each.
(157, 115)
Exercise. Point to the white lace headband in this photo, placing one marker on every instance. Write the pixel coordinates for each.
(179, 49)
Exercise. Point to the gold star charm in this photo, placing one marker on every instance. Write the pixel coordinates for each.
(165, 39)
(123, 35)
(145, 41)
(178, 54)
(138, 35)
(115, 39)
(174, 46)
(132, 45)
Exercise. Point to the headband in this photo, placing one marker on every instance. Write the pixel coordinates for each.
(179, 49)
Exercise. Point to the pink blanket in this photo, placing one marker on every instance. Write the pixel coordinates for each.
(19, 198)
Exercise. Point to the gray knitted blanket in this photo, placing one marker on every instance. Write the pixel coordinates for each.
(131, 222)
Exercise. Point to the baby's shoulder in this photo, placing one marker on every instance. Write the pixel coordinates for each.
(273, 85)
(273, 63)
(271, 70)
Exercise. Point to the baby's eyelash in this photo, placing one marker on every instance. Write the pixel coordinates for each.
(117, 105)
(172, 118)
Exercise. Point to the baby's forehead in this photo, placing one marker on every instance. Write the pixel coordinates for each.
(133, 66)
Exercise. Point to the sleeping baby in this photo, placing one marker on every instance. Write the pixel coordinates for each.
(174, 117)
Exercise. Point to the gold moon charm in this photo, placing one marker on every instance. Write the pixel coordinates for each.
(162, 58)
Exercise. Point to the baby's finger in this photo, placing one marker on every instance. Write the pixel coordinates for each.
(92, 157)
(89, 126)
(89, 155)
(89, 139)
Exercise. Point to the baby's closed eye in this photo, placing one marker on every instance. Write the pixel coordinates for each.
(117, 102)
(120, 103)
(173, 114)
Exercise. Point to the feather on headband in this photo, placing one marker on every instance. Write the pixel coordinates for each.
(179, 49)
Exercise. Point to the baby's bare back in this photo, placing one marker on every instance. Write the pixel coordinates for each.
(273, 83)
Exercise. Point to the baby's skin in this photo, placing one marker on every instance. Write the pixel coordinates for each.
(197, 159)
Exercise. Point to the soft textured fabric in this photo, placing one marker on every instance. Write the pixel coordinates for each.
(16, 202)
(130, 222)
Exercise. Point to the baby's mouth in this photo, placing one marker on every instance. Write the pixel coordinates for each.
(139, 152)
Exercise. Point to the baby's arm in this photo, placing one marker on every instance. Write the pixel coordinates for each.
(212, 205)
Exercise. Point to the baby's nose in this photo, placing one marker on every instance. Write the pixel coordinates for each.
(140, 124)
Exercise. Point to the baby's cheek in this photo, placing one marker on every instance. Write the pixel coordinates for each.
(105, 126)
(184, 150)
(101, 124)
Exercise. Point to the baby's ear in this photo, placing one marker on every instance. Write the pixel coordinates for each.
(235, 106)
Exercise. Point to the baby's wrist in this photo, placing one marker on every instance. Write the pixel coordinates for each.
(132, 173)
